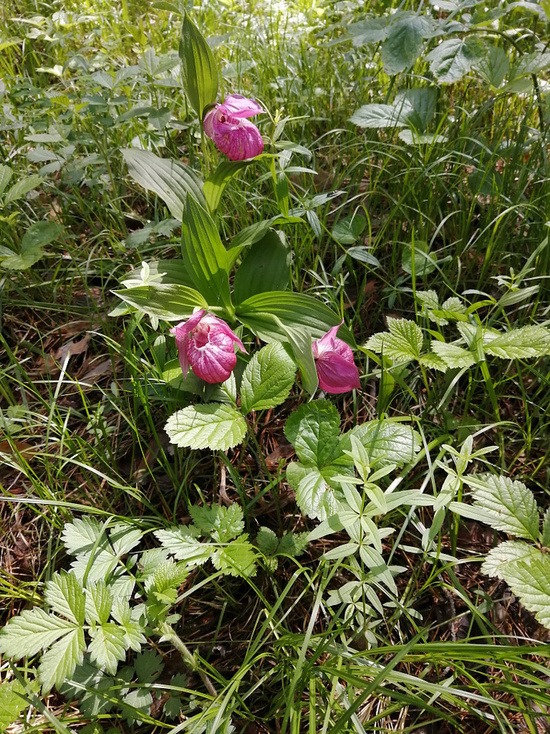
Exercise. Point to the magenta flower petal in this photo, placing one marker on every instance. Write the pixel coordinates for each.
(206, 344)
(234, 135)
(238, 106)
(336, 369)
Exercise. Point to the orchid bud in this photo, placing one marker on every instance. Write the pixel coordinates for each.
(234, 135)
(334, 362)
(206, 344)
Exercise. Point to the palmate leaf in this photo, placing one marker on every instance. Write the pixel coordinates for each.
(184, 544)
(33, 630)
(214, 426)
(267, 379)
(59, 662)
(65, 596)
(508, 503)
(99, 602)
(219, 522)
(499, 558)
(237, 558)
(314, 430)
(108, 646)
(402, 343)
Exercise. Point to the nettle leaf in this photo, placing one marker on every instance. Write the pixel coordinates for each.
(170, 302)
(267, 379)
(32, 631)
(509, 504)
(404, 41)
(214, 426)
(419, 105)
(386, 442)
(108, 646)
(59, 662)
(169, 179)
(452, 355)
(377, 115)
(402, 343)
(221, 523)
(496, 563)
(530, 581)
(453, 58)
(314, 430)
(237, 558)
(371, 30)
(527, 341)
(64, 594)
(184, 544)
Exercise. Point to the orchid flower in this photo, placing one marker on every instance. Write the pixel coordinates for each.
(234, 135)
(334, 362)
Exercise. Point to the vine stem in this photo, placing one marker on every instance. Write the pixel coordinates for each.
(189, 661)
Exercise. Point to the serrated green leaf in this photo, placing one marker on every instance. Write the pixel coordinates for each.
(214, 426)
(314, 430)
(386, 442)
(59, 662)
(267, 379)
(453, 355)
(404, 41)
(402, 343)
(32, 631)
(545, 534)
(221, 523)
(498, 558)
(530, 581)
(12, 696)
(203, 254)
(237, 558)
(509, 503)
(64, 594)
(453, 58)
(99, 601)
(170, 302)
(527, 341)
(265, 268)
(315, 497)
(424, 261)
(377, 115)
(168, 575)
(433, 362)
(171, 180)
(149, 665)
(91, 686)
(22, 187)
(493, 66)
(81, 535)
(183, 543)
(267, 541)
(108, 646)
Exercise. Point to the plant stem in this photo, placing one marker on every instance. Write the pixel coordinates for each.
(188, 660)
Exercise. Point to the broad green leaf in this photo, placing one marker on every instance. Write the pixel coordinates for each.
(386, 442)
(527, 341)
(108, 646)
(424, 261)
(168, 302)
(214, 426)
(198, 66)
(21, 188)
(299, 340)
(349, 229)
(184, 544)
(221, 523)
(401, 344)
(59, 662)
(215, 184)
(510, 505)
(315, 497)
(5, 175)
(508, 552)
(169, 179)
(32, 631)
(493, 66)
(267, 379)
(204, 255)
(377, 115)
(266, 267)
(12, 700)
(314, 431)
(418, 105)
(237, 558)
(99, 601)
(453, 355)
(371, 30)
(34, 240)
(291, 309)
(65, 596)
(404, 40)
(530, 581)
(453, 58)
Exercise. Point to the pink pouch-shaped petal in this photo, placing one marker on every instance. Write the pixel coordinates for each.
(238, 106)
(213, 364)
(208, 122)
(239, 139)
(336, 374)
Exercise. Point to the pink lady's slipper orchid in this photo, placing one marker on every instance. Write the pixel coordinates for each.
(205, 343)
(234, 135)
(334, 361)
